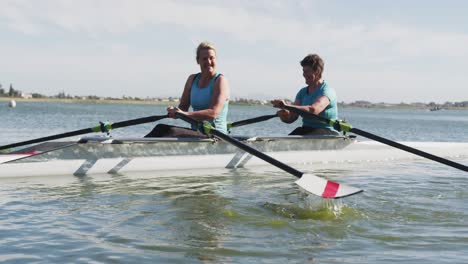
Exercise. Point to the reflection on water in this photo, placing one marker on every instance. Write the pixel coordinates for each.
(199, 218)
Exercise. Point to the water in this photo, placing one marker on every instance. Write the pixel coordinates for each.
(412, 211)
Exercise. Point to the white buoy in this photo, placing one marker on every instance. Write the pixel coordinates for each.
(12, 104)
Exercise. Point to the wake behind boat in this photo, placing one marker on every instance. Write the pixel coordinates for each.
(97, 154)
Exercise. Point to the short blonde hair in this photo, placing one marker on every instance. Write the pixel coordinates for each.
(205, 45)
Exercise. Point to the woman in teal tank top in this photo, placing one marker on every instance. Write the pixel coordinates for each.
(207, 92)
(317, 98)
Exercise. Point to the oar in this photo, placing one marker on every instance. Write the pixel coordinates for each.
(103, 127)
(251, 121)
(309, 182)
(343, 126)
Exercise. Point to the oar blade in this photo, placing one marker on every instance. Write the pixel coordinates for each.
(325, 188)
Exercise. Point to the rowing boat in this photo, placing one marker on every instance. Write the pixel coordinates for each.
(98, 154)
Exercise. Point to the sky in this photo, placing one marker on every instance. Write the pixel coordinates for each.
(379, 51)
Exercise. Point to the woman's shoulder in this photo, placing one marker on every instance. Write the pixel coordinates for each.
(328, 91)
(219, 78)
(193, 76)
(303, 90)
(327, 88)
(326, 85)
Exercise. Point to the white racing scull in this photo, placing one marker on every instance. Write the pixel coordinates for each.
(97, 154)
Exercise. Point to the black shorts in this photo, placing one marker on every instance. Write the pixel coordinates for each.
(162, 130)
(303, 130)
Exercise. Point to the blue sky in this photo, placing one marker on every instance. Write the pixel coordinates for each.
(380, 51)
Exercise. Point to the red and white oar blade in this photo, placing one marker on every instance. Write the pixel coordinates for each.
(325, 188)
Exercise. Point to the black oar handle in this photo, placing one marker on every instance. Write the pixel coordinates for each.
(243, 146)
(252, 120)
(410, 149)
(309, 182)
(308, 114)
(53, 137)
(138, 121)
(101, 128)
(257, 153)
(343, 126)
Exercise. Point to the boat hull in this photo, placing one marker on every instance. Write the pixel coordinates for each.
(95, 155)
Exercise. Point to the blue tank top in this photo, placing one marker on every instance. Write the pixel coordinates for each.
(200, 99)
(330, 112)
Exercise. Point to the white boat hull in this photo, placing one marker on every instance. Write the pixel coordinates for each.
(161, 156)
(98, 155)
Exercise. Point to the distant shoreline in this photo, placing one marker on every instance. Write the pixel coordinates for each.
(96, 101)
(155, 102)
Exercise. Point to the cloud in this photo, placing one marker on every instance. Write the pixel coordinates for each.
(243, 22)
(118, 41)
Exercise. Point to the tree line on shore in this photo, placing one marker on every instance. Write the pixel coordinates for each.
(11, 92)
(431, 105)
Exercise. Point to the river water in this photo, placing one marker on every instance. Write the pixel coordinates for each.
(412, 210)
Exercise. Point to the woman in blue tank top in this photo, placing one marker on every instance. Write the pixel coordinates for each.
(207, 92)
(317, 98)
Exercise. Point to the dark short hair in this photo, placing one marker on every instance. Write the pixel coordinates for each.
(314, 61)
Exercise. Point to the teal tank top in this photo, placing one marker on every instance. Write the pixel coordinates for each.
(200, 99)
(330, 112)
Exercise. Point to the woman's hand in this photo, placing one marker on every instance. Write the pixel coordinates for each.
(283, 115)
(278, 103)
(172, 111)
